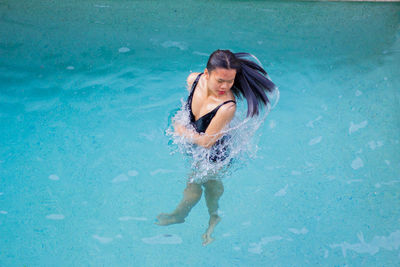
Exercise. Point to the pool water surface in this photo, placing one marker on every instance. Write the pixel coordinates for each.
(87, 90)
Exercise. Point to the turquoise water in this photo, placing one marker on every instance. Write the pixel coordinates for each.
(86, 92)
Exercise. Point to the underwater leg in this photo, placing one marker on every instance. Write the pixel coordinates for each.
(213, 191)
(191, 195)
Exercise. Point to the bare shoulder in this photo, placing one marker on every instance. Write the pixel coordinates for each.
(228, 110)
(223, 117)
(190, 79)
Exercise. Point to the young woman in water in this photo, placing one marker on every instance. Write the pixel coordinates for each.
(211, 106)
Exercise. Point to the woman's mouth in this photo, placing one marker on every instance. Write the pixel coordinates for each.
(221, 92)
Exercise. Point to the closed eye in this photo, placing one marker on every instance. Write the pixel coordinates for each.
(221, 81)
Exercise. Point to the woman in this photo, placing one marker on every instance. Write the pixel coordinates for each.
(211, 105)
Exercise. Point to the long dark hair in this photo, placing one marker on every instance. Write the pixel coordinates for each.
(251, 80)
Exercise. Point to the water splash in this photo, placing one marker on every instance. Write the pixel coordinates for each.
(229, 153)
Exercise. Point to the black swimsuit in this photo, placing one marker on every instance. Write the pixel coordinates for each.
(219, 152)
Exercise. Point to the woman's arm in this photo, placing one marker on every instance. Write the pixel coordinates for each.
(214, 131)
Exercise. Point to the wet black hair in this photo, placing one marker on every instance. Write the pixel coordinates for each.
(251, 81)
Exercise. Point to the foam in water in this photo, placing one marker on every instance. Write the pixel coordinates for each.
(256, 248)
(315, 140)
(102, 239)
(311, 123)
(282, 192)
(124, 50)
(355, 127)
(391, 242)
(373, 145)
(133, 173)
(302, 231)
(357, 163)
(179, 45)
(54, 177)
(120, 178)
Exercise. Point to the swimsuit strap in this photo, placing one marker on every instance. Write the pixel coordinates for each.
(214, 111)
(190, 97)
(220, 105)
(195, 83)
(228, 102)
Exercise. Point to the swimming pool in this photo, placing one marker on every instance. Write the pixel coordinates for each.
(86, 93)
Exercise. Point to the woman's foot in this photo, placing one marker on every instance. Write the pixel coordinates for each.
(207, 239)
(167, 219)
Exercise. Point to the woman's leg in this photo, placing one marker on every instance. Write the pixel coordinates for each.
(213, 191)
(191, 195)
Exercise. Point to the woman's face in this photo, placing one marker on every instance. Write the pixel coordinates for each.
(220, 80)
